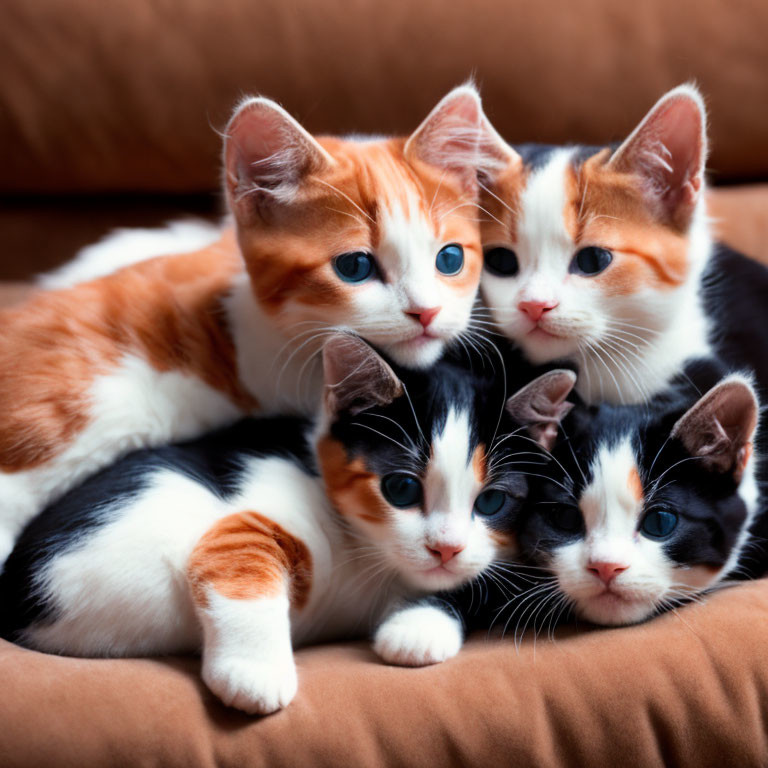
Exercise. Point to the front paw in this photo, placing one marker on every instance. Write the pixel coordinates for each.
(253, 686)
(417, 636)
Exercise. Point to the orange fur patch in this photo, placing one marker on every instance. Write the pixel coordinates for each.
(288, 253)
(479, 465)
(247, 556)
(352, 489)
(505, 541)
(610, 210)
(604, 208)
(166, 311)
(500, 206)
(635, 485)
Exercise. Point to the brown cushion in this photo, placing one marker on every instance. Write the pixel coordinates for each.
(687, 689)
(740, 217)
(126, 95)
(40, 234)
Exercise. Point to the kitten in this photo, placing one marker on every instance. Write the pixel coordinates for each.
(605, 258)
(277, 532)
(376, 236)
(642, 508)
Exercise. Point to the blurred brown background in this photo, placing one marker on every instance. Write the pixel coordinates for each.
(110, 110)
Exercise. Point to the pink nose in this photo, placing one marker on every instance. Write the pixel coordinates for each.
(606, 572)
(445, 551)
(535, 309)
(424, 316)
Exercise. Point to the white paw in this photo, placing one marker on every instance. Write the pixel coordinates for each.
(417, 636)
(257, 687)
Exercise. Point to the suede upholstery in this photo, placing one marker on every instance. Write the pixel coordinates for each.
(122, 98)
(687, 689)
(135, 88)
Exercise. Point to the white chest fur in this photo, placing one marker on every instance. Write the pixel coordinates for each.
(283, 372)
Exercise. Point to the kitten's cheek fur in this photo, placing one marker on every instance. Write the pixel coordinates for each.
(418, 636)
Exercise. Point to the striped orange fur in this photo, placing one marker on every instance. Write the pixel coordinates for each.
(247, 556)
(350, 486)
(166, 311)
(608, 208)
(341, 210)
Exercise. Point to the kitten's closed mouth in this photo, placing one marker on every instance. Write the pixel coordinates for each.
(438, 569)
(537, 330)
(422, 338)
(610, 596)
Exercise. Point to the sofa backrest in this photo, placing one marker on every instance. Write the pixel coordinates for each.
(127, 95)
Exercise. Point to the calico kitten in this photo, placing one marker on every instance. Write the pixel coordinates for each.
(375, 236)
(277, 532)
(604, 257)
(642, 508)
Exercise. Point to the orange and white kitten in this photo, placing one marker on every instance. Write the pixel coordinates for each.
(598, 256)
(377, 236)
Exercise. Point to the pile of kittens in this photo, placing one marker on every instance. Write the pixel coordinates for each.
(410, 386)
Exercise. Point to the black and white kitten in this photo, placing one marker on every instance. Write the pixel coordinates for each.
(642, 508)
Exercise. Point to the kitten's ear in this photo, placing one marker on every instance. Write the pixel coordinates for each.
(668, 150)
(458, 136)
(355, 376)
(720, 428)
(267, 153)
(541, 405)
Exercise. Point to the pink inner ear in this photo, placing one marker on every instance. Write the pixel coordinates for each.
(355, 376)
(268, 151)
(541, 405)
(682, 136)
(450, 136)
(258, 149)
(668, 149)
(720, 425)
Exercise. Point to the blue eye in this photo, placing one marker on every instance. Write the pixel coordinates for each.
(502, 262)
(590, 261)
(450, 259)
(354, 267)
(401, 489)
(659, 523)
(567, 519)
(490, 502)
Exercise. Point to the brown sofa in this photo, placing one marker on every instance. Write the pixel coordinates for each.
(108, 117)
